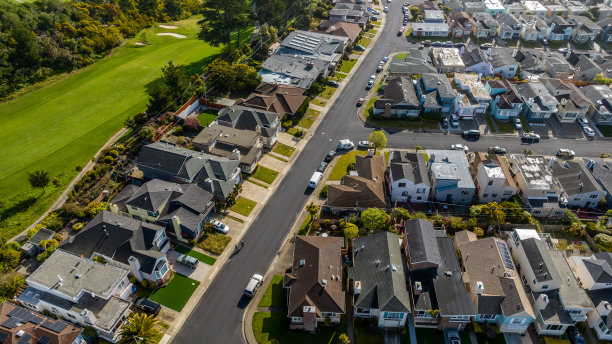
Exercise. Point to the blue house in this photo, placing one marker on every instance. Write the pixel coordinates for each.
(505, 100)
(436, 94)
(560, 29)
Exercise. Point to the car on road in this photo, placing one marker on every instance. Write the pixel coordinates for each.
(147, 305)
(345, 144)
(360, 101)
(387, 9)
(565, 153)
(379, 68)
(436, 44)
(455, 121)
(459, 146)
(374, 18)
(385, 59)
(359, 47)
(372, 77)
(330, 156)
(530, 138)
(444, 123)
(333, 83)
(449, 44)
(315, 179)
(188, 260)
(583, 121)
(486, 46)
(474, 133)
(375, 12)
(574, 336)
(453, 337)
(400, 31)
(497, 150)
(588, 131)
(253, 285)
(365, 144)
(518, 125)
(426, 42)
(370, 84)
(322, 167)
(220, 226)
(405, 22)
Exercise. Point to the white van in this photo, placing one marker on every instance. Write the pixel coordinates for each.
(345, 144)
(314, 180)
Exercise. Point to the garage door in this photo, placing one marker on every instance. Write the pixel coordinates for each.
(391, 323)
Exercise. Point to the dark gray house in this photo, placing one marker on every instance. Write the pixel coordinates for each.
(241, 117)
(31, 247)
(400, 99)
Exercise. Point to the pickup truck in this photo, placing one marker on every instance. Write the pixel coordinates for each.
(253, 285)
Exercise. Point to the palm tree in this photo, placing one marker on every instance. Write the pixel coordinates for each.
(39, 179)
(313, 210)
(140, 329)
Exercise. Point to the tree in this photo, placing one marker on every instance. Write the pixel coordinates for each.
(600, 79)
(493, 213)
(173, 92)
(514, 212)
(191, 123)
(569, 218)
(418, 148)
(350, 231)
(379, 139)
(142, 326)
(343, 339)
(9, 257)
(313, 210)
(400, 213)
(374, 219)
(221, 77)
(39, 179)
(595, 12)
(220, 18)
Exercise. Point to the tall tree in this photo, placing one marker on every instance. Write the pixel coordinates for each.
(313, 210)
(379, 139)
(140, 328)
(173, 92)
(221, 18)
(39, 179)
(374, 219)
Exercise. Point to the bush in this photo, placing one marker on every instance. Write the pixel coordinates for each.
(71, 210)
(108, 159)
(53, 223)
(604, 240)
(591, 228)
(191, 123)
(326, 223)
(78, 168)
(9, 285)
(569, 218)
(94, 208)
(350, 167)
(323, 192)
(77, 226)
(56, 181)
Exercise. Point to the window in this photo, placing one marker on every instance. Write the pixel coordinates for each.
(163, 269)
(328, 314)
(423, 314)
(537, 212)
(485, 195)
(296, 319)
(575, 311)
(602, 326)
(405, 193)
(460, 318)
(70, 316)
(554, 327)
(401, 185)
(465, 192)
(534, 281)
(421, 190)
(153, 214)
(494, 195)
(508, 192)
(517, 321)
(393, 315)
(545, 286)
(488, 316)
(363, 310)
(593, 196)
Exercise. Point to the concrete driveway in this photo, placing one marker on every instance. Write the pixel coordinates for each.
(198, 274)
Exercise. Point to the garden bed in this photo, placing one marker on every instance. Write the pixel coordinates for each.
(215, 242)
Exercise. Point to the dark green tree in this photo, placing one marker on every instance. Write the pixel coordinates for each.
(39, 179)
(221, 18)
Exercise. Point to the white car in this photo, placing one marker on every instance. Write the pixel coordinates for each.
(365, 144)
(455, 121)
(565, 152)
(387, 9)
(517, 123)
(459, 147)
(373, 77)
(220, 226)
(589, 132)
(253, 285)
(583, 121)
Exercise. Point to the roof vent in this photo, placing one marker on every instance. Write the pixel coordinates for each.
(377, 261)
(302, 262)
(78, 275)
(19, 333)
(448, 273)
(324, 282)
(393, 268)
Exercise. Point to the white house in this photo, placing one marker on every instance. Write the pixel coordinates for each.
(408, 178)
(472, 98)
(450, 177)
(492, 178)
(536, 8)
(580, 189)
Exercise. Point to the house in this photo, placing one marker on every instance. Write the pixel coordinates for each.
(486, 25)
(361, 191)
(537, 187)
(575, 7)
(539, 103)
(450, 177)
(430, 29)
(572, 103)
(82, 291)
(580, 189)
(556, 9)
(516, 9)
(532, 67)
(379, 281)
(477, 61)
(492, 178)
(605, 11)
(182, 208)
(294, 70)
(585, 30)
(436, 94)
(600, 111)
(32, 246)
(20, 325)
(602, 173)
(454, 5)
(400, 99)
(503, 63)
(313, 45)
(560, 29)
(282, 99)
(165, 161)
(344, 29)
(557, 66)
(435, 278)
(428, 5)
(472, 98)
(460, 23)
(417, 61)
(506, 103)
(242, 145)
(534, 27)
(605, 64)
(137, 246)
(266, 123)
(447, 60)
(558, 300)
(314, 285)
(595, 273)
(350, 12)
(605, 36)
(536, 8)
(494, 284)
(474, 7)
(408, 180)
(586, 69)
(494, 7)
(433, 16)
(509, 27)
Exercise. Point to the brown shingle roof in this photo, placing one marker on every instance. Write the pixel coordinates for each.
(350, 30)
(366, 190)
(281, 99)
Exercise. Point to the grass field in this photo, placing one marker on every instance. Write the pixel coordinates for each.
(275, 326)
(62, 124)
(265, 174)
(243, 206)
(283, 149)
(176, 294)
(206, 117)
(195, 254)
(347, 65)
(273, 297)
(345, 160)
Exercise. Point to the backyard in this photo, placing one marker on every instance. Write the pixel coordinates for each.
(275, 326)
(206, 117)
(265, 174)
(176, 294)
(343, 163)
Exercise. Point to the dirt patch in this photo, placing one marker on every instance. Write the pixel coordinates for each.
(171, 34)
(140, 43)
(168, 27)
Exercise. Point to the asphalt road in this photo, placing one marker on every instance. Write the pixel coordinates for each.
(218, 315)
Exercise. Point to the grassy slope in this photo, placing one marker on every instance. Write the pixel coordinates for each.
(63, 124)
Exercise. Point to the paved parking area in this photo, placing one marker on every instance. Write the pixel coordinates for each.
(271, 162)
(541, 128)
(198, 274)
(235, 226)
(565, 130)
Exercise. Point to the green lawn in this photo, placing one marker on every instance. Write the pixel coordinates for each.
(283, 149)
(207, 117)
(195, 254)
(273, 296)
(176, 294)
(504, 127)
(345, 160)
(401, 123)
(341, 76)
(305, 226)
(482, 339)
(268, 326)
(525, 124)
(490, 123)
(65, 122)
(328, 92)
(365, 41)
(309, 118)
(250, 180)
(319, 102)
(363, 334)
(606, 130)
(347, 65)
(265, 174)
(401, 56)
(243, 206)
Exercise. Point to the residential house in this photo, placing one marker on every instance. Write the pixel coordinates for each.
(477, 61)
(534, 27)
(81, 291)
(509, 27)
(580, 189)
(436, 93)
(536, 8)
(560, 29)
(605, 11)
(20, 325)
(532, 67)
(602, 173)
(516, 9)
(243, 145)
(379, 281)
(486, 25)
(557, 66)
(506, 103)
(399, 100)
(294, 70)
(472, 97)
(585, 68)
(182, 208)
(503, 63)
(572, 103)
(601, 97)
(539, 103)
(447, 60)
(492, 178)
(344, 29)
(315, 284)
(408, 180)
(433, 16)
(460, 23)
(585, 30)
(450, 177)
(494, 7)
(430, 29)
(281, 99)
(137, 246)
(361, 191)
(472, 7)
(32, 246)
(605, 64)
(605, 36)
(575, 7)
(428, 5)
(454, 5)
(165, 161)
(266, 123)
(494, 284)
(435, 278)
(351, 13)
(417, 61)
(537, 187)
(556, 9)
(314, 45)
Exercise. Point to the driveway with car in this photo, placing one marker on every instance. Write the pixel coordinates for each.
(198, 274)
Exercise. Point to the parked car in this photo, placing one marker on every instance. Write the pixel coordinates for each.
(374, 18)
(459, 45)
(517, 123)
(372, 77)
(455, 121)
(400, 31)
(588, 131)
(188, 260)
(474, 133)
(147, 305)
(322, 167)
(574, 336)
(426, 42)
(360, 101)
(220, 226)
(436, 44)
(345, 145)
(564, 50)
(444, 123)
(375, 12)
(370, 84)
(405, 4)
(387, 9)
(453, 337)
(530, 138)
(253, 285)
(486, 46)
(565, 153)
(449, 44)
(359, 47)
(315, 179)
(365, 144)
(459, 147)
(385, 59)
(497, 150)
(405, 22)
(333, 83)
(583, 121)
(379, 68)
(330, 156)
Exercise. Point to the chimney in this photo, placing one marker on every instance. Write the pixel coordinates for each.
(479, 287)
(604, 308)
(236, 154)
(88, 316)
(258, 129)
(418, 288)
(387, 110)
(357, 287)
(176, 225)
(541, 302)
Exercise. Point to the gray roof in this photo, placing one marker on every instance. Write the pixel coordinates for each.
(378, 265)
(319, 45)
(540, 95)
(439, 82)
(474, 57)
(575, 177)
(450, 164)
(453, 298)
(540, 260)
(399, 90)
(598, 296)
(227, 135)
(502, 57)
(292, 70)
(600, 268)
(570, 292)
(508, 22)
(600, 95)
(246, 118)
(40, 235)
(530, 61)
(411, 166)
(554, 313)
(603, 175)
(422, 244)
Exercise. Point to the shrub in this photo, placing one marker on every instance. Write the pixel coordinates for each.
(71, 210)
(77, 226)
(108, 159)
(56, 181)
(114, 153)
(591, 228)
(569, 218)
(32, 231)
(133, 280)
(604, 240)
(9, 285)
(53, 223)
(326, 223)
(478, 231)
(323, 192)
(191, 123)
(350, 231)
(178, 130)
(120, 148)
(94, 208)
(99, 259)
(78, 168)
(350, 167)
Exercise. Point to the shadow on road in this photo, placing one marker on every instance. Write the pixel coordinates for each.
(243, 302)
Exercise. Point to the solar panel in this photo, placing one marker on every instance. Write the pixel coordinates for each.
(47, 324)
(10, 323)
(25, 339)
(59, 326)
(505, 254)
(44, 340)
(24, 315)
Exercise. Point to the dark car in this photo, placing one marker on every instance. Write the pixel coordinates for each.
(147, 305)
(322, 167)
(459, 45)
(436, 44)
(444, 123)
(333, 83)
(574, 336)
(427, 43)
(497, 150)
(530, 138)
(330, 156)
(471, 134)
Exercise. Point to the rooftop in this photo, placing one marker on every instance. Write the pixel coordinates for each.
(535, 171)
(449, 164)
(574, 177)
(539, 258)
(473, 84)
(409, 166)
(447, 56)
(571, 293)
(422, 245)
